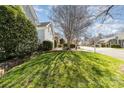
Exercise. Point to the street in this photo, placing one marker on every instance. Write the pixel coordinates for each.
(116, 53)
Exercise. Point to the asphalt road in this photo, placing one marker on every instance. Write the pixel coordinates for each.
(116, 53)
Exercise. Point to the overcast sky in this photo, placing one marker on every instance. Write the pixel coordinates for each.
(110, 25)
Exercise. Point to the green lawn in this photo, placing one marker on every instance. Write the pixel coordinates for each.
(66, 69)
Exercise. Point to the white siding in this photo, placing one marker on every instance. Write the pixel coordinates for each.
(30, 13)
(41, 34)
(45, 33)
(48, 35)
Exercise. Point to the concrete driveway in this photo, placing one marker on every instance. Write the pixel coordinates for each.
(116, 53)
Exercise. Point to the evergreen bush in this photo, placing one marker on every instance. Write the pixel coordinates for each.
(17, 34)
(115, 46)
(47, 45)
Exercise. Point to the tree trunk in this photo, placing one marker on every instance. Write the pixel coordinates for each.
(68, 45)
(76, 44)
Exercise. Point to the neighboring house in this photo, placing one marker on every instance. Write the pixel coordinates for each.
(30, 13)
(118, 39)
(45, 32)
(57, 38)
(121, 39)
(106, 42)
(89, 41)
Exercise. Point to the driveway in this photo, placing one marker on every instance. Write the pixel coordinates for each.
(116, 53)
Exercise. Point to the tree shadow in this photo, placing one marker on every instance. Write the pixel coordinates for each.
(45, 60)
(73, 73)
(54, 69)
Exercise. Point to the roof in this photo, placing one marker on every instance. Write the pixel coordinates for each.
(120, 36)
(43, 24)
(105, 40)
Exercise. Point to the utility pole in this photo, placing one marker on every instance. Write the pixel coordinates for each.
(95, 42)
(94, 47)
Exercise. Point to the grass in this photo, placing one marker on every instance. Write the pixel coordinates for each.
(66, 69)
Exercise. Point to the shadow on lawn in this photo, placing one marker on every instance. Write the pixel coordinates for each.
(69, 62)
(54, 69)
(62, 69)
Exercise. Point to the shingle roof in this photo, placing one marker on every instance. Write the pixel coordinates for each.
(105, 40)
(120, 36)
(43, 24)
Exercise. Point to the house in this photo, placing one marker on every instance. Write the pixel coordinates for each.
(45, 32)
(117, 39)
(44, 29)
(89, 41)
(30, 13)
(106, 42)
(120, 39)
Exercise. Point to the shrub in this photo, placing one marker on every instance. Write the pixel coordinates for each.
(72, 45)
(47, 45)
(97, 45)
(115, 46)
(67, 48)
(40, 47)
(2, 56)
(103, 45)
(65, 45)
(62, 41)
(17, 34)
(59, 45)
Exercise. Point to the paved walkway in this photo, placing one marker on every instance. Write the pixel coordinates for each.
(116, 53)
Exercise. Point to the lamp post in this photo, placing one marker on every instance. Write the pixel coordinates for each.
(94, 47)
(95, 42)
(96, 39)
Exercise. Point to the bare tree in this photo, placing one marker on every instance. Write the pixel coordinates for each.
(73, 20)
(104, 12)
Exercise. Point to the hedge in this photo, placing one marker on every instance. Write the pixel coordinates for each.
(62, 41)
(59, 46)
(40, 47)
(65, 45)
(17, 34)
(115, 46)
(72, 45)
(47, 45)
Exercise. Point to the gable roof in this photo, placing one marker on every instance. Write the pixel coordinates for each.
(120, 36)
(105, 40)
(43, 24)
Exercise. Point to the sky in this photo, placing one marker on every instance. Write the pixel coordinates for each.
(43, 12)
(111, 25)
